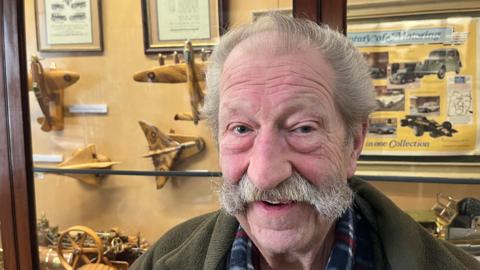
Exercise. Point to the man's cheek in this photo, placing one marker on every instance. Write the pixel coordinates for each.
(233, 166)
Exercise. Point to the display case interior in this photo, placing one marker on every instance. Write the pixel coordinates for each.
(121, 150)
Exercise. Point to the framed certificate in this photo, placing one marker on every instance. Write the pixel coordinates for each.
(168, 23)
(68, 25)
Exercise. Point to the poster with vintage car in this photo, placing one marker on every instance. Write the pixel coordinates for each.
(425, 74)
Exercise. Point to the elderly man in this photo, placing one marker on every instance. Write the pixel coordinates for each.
(288, 103)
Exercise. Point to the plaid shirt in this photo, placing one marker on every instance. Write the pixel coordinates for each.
(352, 249)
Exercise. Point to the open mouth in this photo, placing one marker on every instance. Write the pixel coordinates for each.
(277, 203)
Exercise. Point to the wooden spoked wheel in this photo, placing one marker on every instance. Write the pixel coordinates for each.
(84, 245)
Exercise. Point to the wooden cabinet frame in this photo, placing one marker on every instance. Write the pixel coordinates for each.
(17, 202)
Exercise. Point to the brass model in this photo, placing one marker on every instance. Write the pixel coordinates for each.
(189, 72)
(445, 210)
(48, 87)
(83, 243)
(168, 149)
(80, 247)
(87, 158)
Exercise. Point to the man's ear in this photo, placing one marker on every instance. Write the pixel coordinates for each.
(356, 148)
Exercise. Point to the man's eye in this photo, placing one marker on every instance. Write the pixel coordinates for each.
(241, 129)
(304, 129)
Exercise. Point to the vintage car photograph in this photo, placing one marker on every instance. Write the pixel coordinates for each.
(378, 72)
(382, 126)
(439, 62)
(378, 62)
(425, 105)
(390, 99)
(429, 106)
(403, 76)
(421, 124)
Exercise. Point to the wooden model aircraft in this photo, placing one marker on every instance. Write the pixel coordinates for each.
(87, 158)
(48, 87)
(168, 149)
(189, 72)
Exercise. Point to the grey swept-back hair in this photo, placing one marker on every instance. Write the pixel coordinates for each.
(353, 90)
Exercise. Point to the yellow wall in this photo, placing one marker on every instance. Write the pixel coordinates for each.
(132, 202)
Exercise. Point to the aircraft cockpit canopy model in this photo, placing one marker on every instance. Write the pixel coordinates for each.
(168, 149)
(48, 86)
(188, 72)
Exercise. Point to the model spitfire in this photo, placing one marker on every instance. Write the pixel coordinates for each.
(48, 87)
(87, 158)
(189, 72)
(168, 149)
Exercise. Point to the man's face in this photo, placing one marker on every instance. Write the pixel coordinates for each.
(277, 116)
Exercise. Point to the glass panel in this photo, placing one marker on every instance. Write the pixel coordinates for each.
(114, 136)
(422, 146)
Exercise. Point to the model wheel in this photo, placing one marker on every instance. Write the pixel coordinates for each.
(434, 133)
(403, 81)
(83, 243)
(441, 72)
(379, 131)
(418, 131)
(447, 125)
(419, 75)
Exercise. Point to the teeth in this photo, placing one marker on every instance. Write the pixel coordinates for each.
(277, 202)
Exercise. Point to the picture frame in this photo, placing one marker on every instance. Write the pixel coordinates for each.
(168, 24)
(425, 102)
(259, 13)
(69, 25)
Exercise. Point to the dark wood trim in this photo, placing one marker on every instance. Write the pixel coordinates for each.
(16, 161)
(7, 225)
(333, 13)
(307, 9)
(224, 13)
(6, 198)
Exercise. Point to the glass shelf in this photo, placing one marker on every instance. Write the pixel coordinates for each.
(201, 173)
(192, 173)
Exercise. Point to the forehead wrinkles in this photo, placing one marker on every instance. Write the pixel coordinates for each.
(288, 70)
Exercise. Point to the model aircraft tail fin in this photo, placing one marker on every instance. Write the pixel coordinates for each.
(161, 181)
(163, 164)
(156, 138)
(49, 123)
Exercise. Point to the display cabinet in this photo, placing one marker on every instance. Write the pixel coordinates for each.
(77, 139)
(102, 139)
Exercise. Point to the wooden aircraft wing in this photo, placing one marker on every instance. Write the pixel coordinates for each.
(157, 140)
(163, 74)
(90, 165)
(176, 73)
(81, 156)
(163, 151)
(163, 163)
(60, 79)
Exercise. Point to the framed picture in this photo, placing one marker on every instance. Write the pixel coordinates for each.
(68, 26)
(167, 24)
(420, 65)
(259, 13)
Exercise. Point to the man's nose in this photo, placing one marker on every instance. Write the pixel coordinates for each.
(269, 164)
